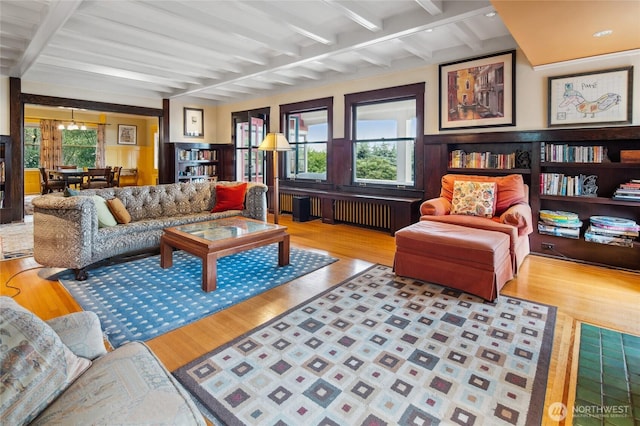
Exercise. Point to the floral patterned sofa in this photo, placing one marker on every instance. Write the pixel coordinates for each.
(59, 373)
(72, 231)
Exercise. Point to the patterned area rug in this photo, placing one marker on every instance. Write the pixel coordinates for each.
(16, 239)
(138, 300)
(608, 379)
(383, 350)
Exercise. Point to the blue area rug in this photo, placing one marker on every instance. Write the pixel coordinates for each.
(138, 300)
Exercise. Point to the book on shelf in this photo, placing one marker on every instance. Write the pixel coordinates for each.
(608, 239)
(564, 153)
(197, 155)
(629, 191)
(571, 186)
(460, 159)
(558, 231)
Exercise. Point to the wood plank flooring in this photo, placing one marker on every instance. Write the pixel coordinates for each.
(600, 296)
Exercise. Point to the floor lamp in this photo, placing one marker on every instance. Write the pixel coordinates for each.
(275, 142)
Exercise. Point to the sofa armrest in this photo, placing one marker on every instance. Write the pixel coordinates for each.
(520, 216)
(63, 230)
(81, 332)
(255, 202)
(435, 207)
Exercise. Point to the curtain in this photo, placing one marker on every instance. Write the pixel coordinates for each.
(100, 151)
(50, 144)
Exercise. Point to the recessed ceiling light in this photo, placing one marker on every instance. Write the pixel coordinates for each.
(603, 33)
(428, 30)
(490, 14)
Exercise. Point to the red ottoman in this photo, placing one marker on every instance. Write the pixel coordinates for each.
(473, 260)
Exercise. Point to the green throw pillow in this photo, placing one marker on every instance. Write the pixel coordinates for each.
(105, 217)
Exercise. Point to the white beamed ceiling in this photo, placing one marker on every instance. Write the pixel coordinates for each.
(225, 51)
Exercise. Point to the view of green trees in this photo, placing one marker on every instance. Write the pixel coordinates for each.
(376, 161)
(317, 162)
(78, 147)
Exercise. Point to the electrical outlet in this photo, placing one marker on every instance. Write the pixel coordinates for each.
(547, 246)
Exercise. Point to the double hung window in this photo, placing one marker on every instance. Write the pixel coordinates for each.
(307, 128)
(384, 142)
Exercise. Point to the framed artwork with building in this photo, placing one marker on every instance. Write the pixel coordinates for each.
(478, 92)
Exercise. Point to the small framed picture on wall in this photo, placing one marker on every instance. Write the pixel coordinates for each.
(127, 134)
(193, 122)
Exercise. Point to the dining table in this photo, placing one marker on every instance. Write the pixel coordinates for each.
(68, 175)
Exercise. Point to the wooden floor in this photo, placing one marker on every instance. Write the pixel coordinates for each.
(601, 296)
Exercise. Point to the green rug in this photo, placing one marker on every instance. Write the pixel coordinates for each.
(382, 350)
(608, 380)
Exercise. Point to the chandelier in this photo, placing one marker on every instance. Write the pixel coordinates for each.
(73, 125)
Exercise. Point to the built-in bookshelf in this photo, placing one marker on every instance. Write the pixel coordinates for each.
(590, 161)
(197, 162)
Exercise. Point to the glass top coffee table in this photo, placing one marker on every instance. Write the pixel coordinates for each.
(221, 237)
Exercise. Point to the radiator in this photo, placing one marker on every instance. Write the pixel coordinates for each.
(286, 204)
(354, 212)
(366, 214)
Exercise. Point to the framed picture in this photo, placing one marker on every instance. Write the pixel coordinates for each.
(127, 134)
(591, 98)
(193, 122)
(478, 92)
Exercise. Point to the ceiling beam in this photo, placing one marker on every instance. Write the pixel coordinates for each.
(357, 14)
(297, 24)
(465, 35)
(434, 7)
(58, 13)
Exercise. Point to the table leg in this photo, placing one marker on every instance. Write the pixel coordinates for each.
(166, 254)
(283, 251)
(209, 272)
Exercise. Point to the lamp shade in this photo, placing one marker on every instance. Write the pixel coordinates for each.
(275, 142)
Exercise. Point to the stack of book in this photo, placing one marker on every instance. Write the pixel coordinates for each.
(615, 231)
(628, 191)
(559, 223)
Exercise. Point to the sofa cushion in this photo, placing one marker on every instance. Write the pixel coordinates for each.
(230, 197)
(118, 210)
(80, 332)
(510, 189)
(36, 366)
(105, 217)
(473, 198)
(126, 386)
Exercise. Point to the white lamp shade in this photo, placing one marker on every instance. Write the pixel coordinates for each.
(275, 142)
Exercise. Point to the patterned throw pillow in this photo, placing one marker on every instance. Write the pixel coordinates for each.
(474, 198)
(36, 366)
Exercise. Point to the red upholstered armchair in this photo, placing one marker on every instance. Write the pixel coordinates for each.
(511, 213)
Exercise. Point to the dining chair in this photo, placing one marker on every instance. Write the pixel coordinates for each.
(115, 176)
(97, 178)
(48, 185)
(72, 180)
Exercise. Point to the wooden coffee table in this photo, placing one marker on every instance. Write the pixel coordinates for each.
(221, 237)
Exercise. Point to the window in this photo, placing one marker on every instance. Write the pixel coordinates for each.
(78, 147)
(308, 128)
(250, 128)
(31, 147)
(384, 141)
